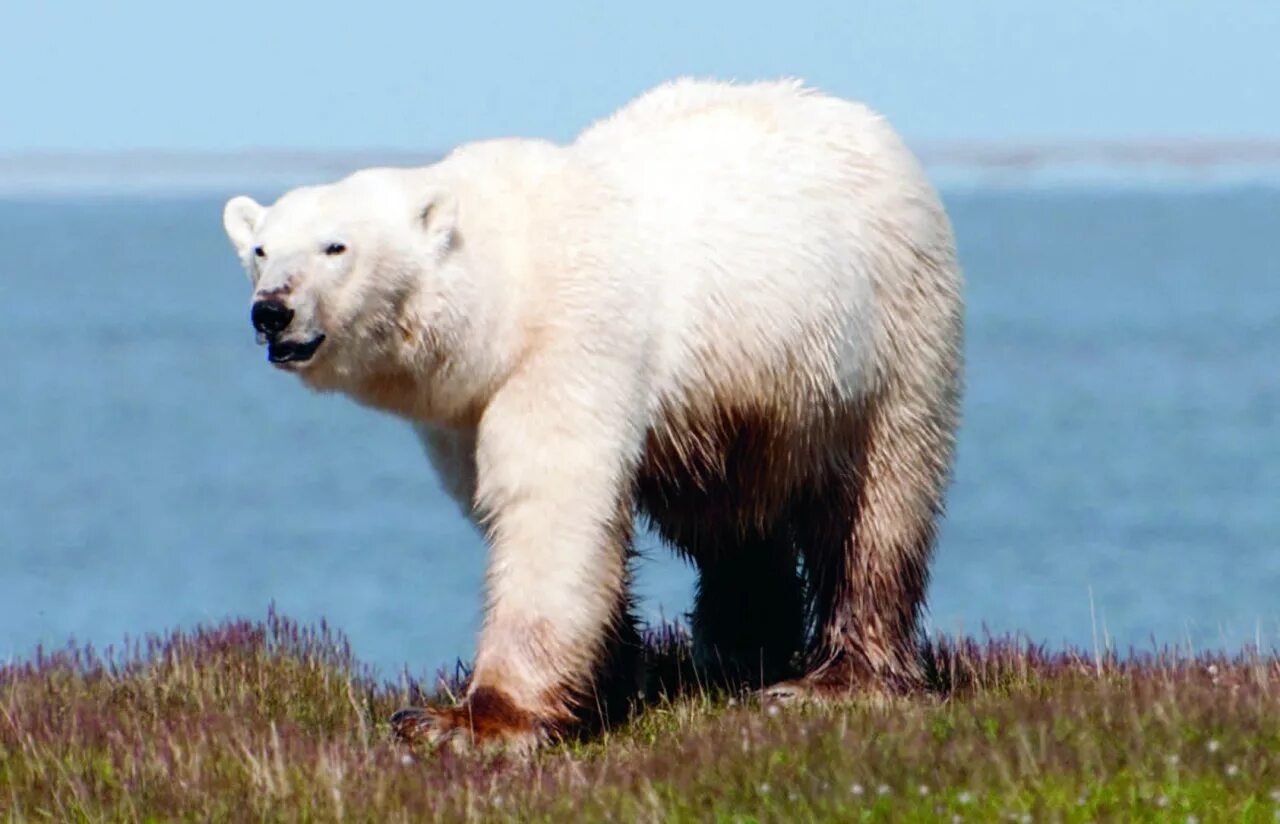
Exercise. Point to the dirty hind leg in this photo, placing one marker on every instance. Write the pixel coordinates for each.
(867, 545)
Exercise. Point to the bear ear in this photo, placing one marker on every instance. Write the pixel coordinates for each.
(240, 218)
(438, 217)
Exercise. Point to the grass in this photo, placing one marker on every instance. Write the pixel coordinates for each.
(273, 721)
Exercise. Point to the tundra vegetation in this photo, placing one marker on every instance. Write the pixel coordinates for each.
(274, 721)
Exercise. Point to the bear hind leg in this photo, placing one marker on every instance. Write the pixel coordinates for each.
(748, 618)
(867, 536)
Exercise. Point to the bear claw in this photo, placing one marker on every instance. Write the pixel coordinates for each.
(410, 724)
(433, 728)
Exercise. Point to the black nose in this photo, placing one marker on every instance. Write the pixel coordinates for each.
(270, 317)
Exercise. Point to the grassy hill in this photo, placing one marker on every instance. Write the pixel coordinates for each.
(273, 721)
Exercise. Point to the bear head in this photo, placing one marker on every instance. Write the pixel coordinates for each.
(353, 277)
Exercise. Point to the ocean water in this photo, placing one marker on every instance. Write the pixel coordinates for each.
(1118, 474)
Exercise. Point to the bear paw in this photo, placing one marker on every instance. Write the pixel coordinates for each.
(807, 691)
(840, 681)
(486, 721)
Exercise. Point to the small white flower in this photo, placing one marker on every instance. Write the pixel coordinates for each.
(1213, 745)
(1162, 802)
(856, 789)
(883, 789)
(1172, 760)
(1232, 770)
(764, 788)
(965, 797)
(497, 801)
(733, 702)
(406, 759)
(1191, 819)
(1026, 818)
(1275, 796)
(924, 789)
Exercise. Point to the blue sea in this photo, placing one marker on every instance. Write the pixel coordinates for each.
(1118, 473)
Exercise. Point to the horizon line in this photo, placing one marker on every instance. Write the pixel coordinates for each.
(995, 152)
(966, 161)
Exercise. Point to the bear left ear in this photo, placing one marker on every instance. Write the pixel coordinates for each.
(439, 219)
(240, 218)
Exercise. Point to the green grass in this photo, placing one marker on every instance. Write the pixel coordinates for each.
(270, 721)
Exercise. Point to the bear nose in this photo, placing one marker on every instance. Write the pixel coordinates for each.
(270, 317)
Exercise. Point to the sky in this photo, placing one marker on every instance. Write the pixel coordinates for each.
(424, 76)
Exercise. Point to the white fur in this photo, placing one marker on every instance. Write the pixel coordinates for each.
(706, 239)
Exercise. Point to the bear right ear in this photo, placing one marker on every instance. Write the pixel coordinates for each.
(439, 219)
(240, 219)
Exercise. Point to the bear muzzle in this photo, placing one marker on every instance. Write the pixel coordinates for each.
(271, 318)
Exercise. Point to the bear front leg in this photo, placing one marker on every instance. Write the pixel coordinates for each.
(554, 465)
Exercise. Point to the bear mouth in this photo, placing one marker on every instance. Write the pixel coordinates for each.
(282, 352)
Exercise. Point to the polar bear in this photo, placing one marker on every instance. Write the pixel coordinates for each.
(732, 309)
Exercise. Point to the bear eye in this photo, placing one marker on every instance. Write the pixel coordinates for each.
(259, 251)
(335, 249)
